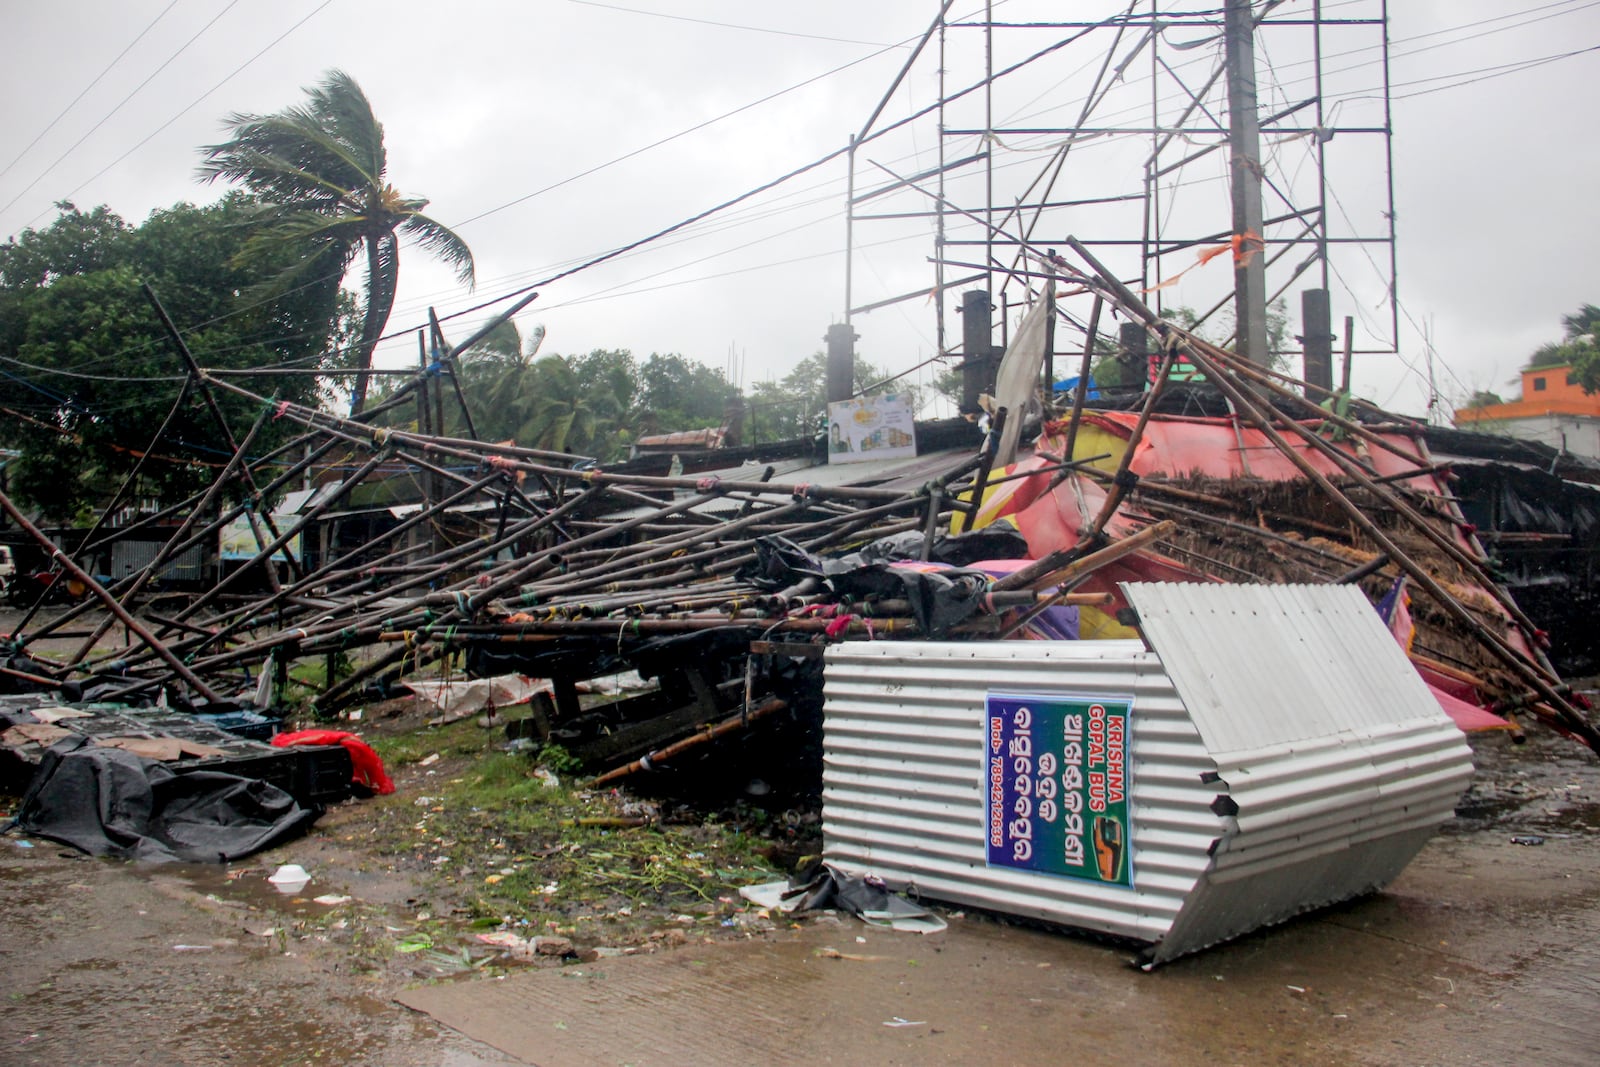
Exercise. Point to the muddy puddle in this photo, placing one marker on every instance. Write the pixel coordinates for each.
(1484, 951)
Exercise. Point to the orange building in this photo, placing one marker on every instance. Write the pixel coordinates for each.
(1553, 410)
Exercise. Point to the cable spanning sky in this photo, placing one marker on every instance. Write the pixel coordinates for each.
(551, 132)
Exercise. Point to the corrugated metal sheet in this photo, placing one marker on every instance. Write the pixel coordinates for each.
(1283, 755)
(903, 779)
(1286, 651)
(901, 472)
(1339, 760)
(127, 557)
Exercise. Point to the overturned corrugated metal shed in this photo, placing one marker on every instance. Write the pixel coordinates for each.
(1281, 754)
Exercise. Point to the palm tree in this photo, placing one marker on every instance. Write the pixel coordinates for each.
(319, 169)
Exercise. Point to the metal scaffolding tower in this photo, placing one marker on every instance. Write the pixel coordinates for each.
(1161, 136)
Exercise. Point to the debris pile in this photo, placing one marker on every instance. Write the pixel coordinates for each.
(724, 586)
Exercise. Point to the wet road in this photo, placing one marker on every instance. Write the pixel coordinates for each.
(1483, 952)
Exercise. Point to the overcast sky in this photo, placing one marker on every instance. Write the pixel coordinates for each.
(551, 131)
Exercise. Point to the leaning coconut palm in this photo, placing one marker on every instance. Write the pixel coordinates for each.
(319, 169)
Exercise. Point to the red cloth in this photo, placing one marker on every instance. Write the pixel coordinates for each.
(367, 765)
(1468, 716)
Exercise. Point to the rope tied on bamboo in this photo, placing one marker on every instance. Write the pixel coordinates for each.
(710, 484)
(281, 411)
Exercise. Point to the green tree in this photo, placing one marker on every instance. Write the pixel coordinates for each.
(320, 171)
(676, 393)
(1578, 348)
(797, 404)
(89, 372)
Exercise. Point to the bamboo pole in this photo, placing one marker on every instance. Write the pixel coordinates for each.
(134, 626)
(710, 733)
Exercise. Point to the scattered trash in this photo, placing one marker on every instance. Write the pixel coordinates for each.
(331, 899)
(827, 953)
(452, 700)
(1527, 839)
(289, 879)
(864, 896)
(191, 948)
(428, 761)
(898, 1022)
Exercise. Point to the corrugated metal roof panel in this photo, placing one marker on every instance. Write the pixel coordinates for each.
(1284, 710)
(903, 777)
(1339, 760)
(1260, 665)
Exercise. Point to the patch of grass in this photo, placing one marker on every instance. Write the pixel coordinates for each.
(460, 738)
(504, 844)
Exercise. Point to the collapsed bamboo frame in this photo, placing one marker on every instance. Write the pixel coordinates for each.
(547, 564)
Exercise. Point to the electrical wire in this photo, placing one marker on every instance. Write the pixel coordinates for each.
(728, 25)
(192, 105)
(125, 100)
(84, 91)
(591, 261)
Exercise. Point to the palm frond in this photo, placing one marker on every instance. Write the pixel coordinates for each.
(442, 242)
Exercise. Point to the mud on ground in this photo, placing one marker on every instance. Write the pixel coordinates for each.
(1483, 945)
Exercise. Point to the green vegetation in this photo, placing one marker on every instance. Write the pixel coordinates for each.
(90, 373)
(509, 844)
(1579, 348)
(318, 172)
(794, 405)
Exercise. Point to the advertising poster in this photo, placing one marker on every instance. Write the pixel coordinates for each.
(237, 541)
(871, 427)
(1056, 785)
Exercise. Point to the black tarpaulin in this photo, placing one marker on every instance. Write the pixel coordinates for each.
(108, 802)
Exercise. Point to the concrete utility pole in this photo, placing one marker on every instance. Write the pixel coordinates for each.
(841, 365)
(977, 332)
(1244, 144)
(1316, 340)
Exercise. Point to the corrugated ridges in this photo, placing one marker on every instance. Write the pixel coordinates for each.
(903, 776)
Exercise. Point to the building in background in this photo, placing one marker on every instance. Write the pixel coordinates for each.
(1554, 410)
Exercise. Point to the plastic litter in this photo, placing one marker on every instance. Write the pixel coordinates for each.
(864, 896)
(289, 879)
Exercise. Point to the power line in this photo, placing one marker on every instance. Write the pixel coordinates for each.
(729, 25)
(672, 137)
(194, 103)
(107, 118)
(1502, 71)
(52, 124)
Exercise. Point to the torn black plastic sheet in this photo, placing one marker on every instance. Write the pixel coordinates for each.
(108, 802)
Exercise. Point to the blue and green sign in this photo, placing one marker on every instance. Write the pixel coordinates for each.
(1056, 785)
